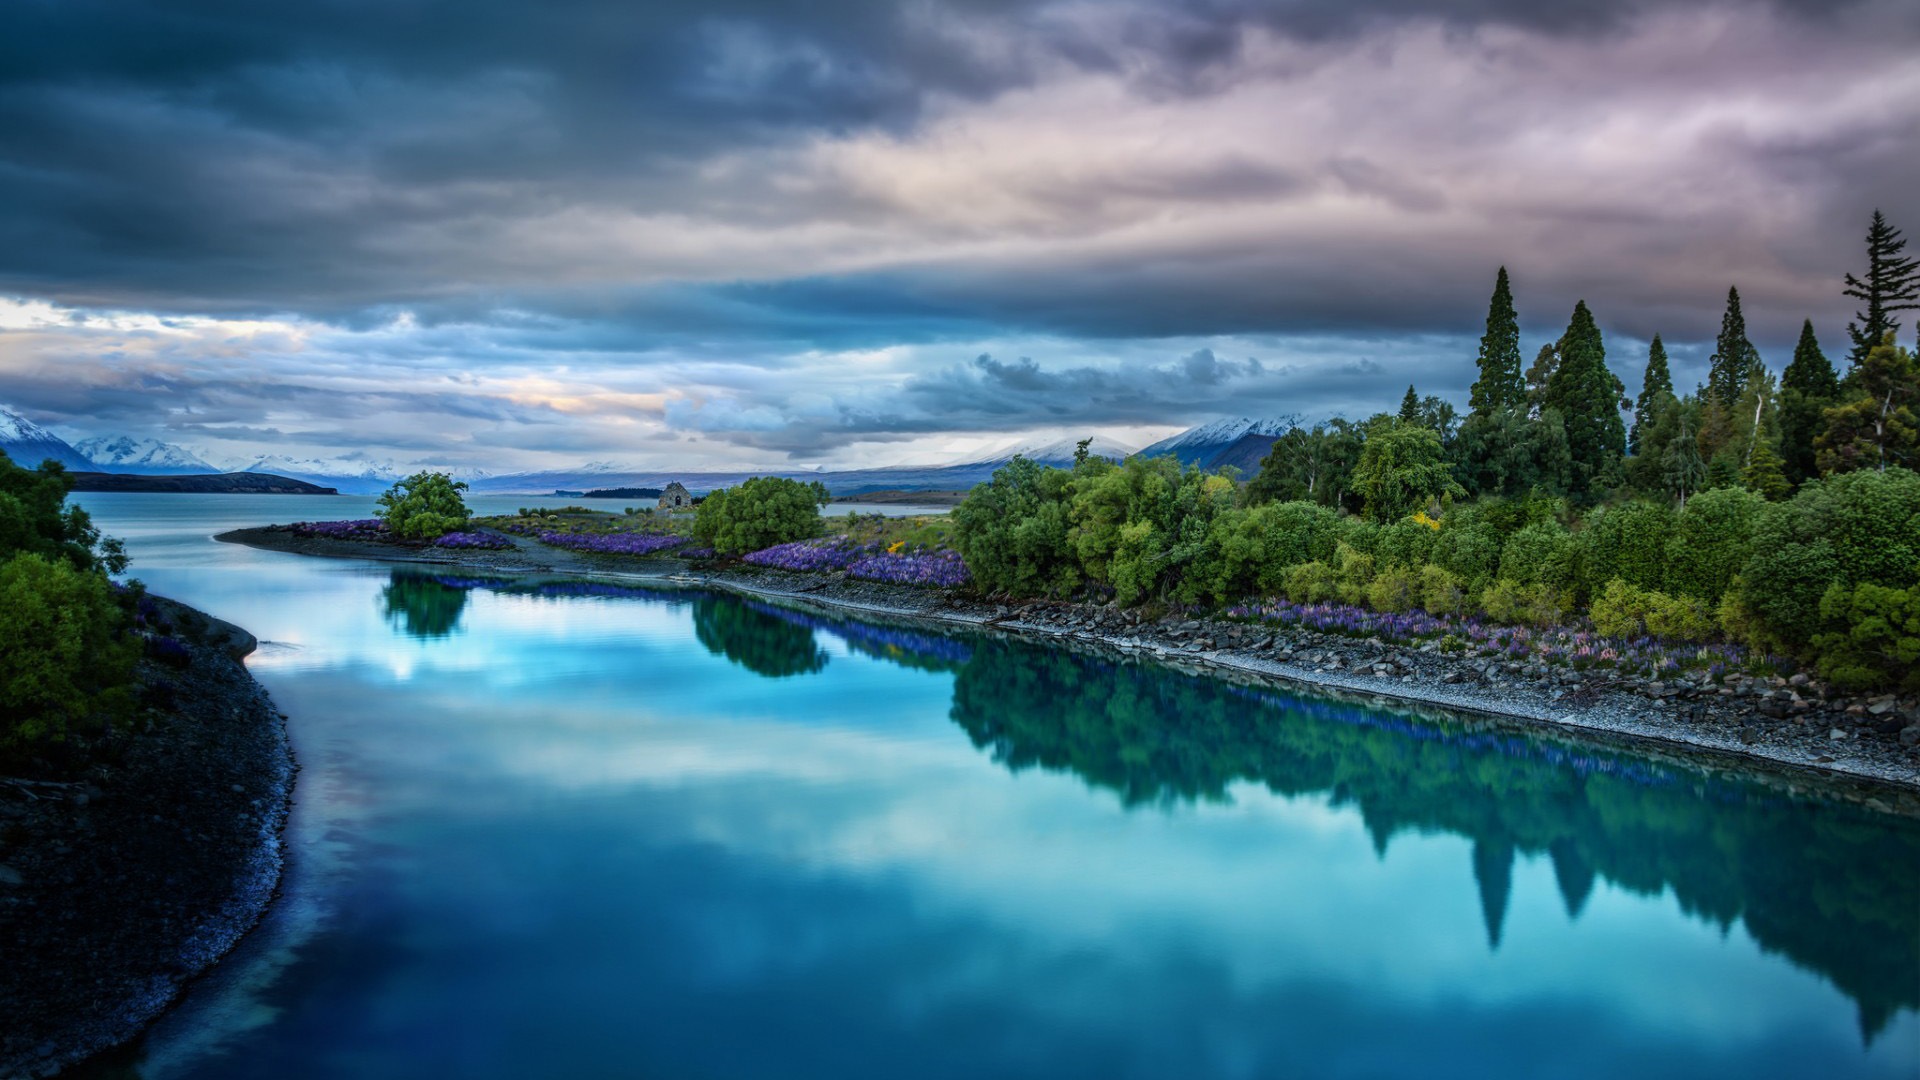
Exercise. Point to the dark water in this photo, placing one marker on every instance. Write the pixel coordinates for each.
(569, 830)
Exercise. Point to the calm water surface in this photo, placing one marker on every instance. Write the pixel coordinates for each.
(550, 829)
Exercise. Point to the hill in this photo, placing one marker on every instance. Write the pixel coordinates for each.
(204, 484)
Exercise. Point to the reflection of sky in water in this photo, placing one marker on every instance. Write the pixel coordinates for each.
(567, 838)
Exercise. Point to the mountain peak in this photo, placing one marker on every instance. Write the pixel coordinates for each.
(1205, 440)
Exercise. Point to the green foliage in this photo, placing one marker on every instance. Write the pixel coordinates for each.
(1013, 531)
(1734, 359)
(1531, 605)
(1627, 541)
(1892, 284)
(1500, 385)
(34, 517)
(759, 641)
(1405, 543)
(1442, 592)
(1587, 395)
(1712, 540)
(1469, 551)
(758, 513)
(65, 657)
(1308, 465)
(1541, 554)
(1397, 588)
(1401, 470)
(1312, 583)
(1852, 529)
(1656, 392)
(1877, 423)
(421, 606)
(1873, 638)
(424, 506)
(1353, 572)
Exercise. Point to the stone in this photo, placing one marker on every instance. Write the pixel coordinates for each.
(1910, 736)
(1880, 708)
(1799, 679)
(10, 876)
(1836, 735)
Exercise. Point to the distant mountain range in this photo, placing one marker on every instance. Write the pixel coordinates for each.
(1240, 443)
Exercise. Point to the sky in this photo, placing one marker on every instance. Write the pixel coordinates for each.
(753, 233)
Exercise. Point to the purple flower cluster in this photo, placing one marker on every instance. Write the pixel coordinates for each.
(1576, 647)
(362, 529)
(943, 568)
(613, 543)
(475, 540)
(810, 555)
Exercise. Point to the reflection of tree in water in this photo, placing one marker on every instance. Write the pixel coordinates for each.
(421, 606)
(1833, 887)
(760, 642)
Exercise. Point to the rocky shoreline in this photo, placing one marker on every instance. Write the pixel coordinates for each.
(1867, 744)
(119, 885)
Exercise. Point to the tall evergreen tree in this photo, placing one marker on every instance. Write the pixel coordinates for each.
(1892, 284)
(1877, 423)
(1539, 374)
(1734, 357)
(1499, 385)
(1587, 395)
(1656, 387)
(1807, 387)
(1410, 407)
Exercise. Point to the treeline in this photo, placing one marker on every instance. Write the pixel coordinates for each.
(67, 650)
(1781, 512)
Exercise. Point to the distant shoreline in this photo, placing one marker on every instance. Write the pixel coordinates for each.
(198, 484)
(1731, 727)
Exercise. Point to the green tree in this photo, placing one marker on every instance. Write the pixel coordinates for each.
(1877, 423)
(424, 506)
(1734, 358)
(1656, 389)
(1500, 385)
(421, 606)
(1587, 395)
(1682, 467)
(1315, 465)
(1808, 387)
(1013, 530)
(1892, 285)
(759, 640)
(66, 660)
(1401, 470)
(1410, 407)
(1540, 376)
(760, 512)
(1712, 536)
(34, 517)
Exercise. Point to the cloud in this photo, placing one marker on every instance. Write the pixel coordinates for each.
(683, 219)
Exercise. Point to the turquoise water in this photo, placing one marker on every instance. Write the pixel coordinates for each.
(547, 829)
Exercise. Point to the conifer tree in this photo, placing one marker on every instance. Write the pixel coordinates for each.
(1734, 357)
(1587, 395)
(1877, 423)
(1410, 407)
(1545, 363)
(1656, 387)
(1892, 284)
(1499, 385)
(1807, 387)
(1685, 472)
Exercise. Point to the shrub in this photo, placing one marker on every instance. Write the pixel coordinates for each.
(1012, 531)
(1533, 605)
(1540, 554)
(424, 506)
(1394, 589)
(66, 662)
(1624, 610)
(1628, 542)
(1874, 640)
(1353, 573)
(1441, 591)
(34, 517)
(1405, 543)
(1712, 539)
(759, 513)
(1470, 551)
(1619, 610)
(1856, 528)
(1312, 583)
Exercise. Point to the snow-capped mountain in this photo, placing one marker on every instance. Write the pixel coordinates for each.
(1198, 445)
(124, 454)
(1057, 452)
(28, 444)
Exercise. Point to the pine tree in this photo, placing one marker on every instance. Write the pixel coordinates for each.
(1734, 357)
(1807, 388)
(1587, 395)
(1763, 474)
(1410, 407)
(1685, 472)
(1892, 284)
(1878, 422)
(1545, 363)
(1499, 385)
(1655, 388)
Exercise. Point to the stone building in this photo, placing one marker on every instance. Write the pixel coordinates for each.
(674, 498)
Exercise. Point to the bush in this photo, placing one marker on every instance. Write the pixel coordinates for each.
(1711, 541)
(1312, 583)
(1540, 554)
(1875, 636)
(1628, 542)
(1624, 610)
(1441, 592)
(34, 517)
(1394, 589)
(66, 661)
(1405, 543)
(1852, 529)
(1353, 572)
(1533, 605)
(1470, 551)
(1619, 610)
(1012, 531)
(424, 506)
(759, 513)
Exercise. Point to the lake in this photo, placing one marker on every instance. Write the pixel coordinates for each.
(551, 828)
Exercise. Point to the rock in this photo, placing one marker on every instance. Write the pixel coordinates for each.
(1836, 735)
(1799, 679)
(1880, 708)
(10, 876)
(1910, 736)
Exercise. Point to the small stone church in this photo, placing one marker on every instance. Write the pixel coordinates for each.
(675, 497)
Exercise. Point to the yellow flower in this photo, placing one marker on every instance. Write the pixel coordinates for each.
(895, 547)
(1423, 519)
